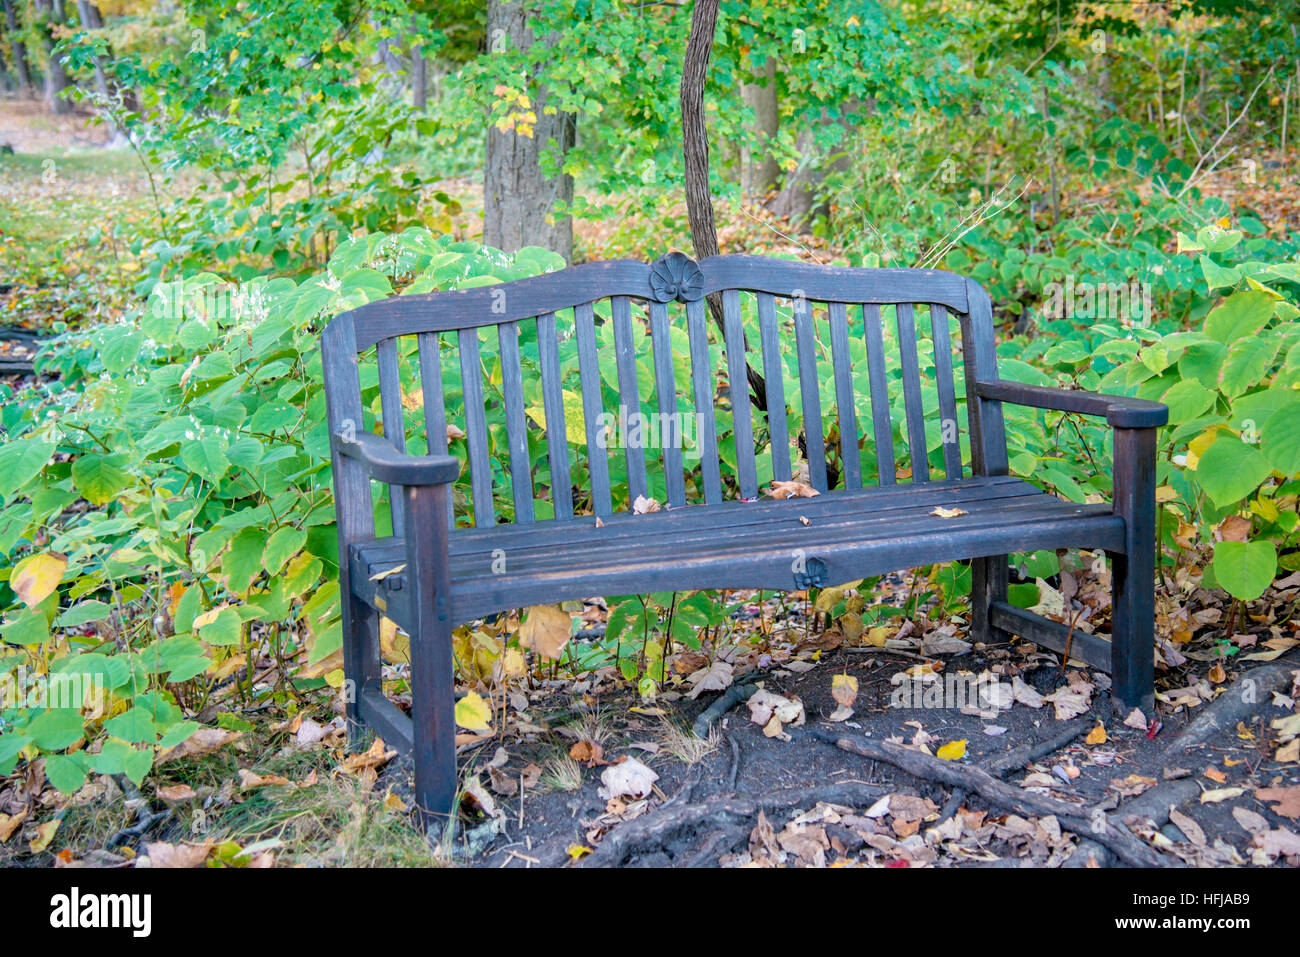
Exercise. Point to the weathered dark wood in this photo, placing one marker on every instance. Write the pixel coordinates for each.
(433, 702)
(476, 437)
(390, 404)
(738, 389)
(702, 386)
(774, 375)
(1133, 570)
(592, 408)
(844, 410)
(805, 339)
(666, 395)
(949, 431)
(512, 388)
(882, 428)
(452, 575)
(557, 441)
(912, 407)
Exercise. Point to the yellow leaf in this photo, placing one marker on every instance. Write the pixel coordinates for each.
(1097, 735)
(472, 712)
(396, 647)
(844, 689)
(1166, 493)
(394, 803)
(36, 577)
(578, 850)
(44, 834)
(546, 631)
(512, 663)
(953, 750)
(877, 636)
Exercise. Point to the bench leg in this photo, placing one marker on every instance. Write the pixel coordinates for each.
(432, 670)
(361, 662)
(1133, 573)
(988, 583)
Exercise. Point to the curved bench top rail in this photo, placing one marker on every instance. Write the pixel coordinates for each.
(673, 277)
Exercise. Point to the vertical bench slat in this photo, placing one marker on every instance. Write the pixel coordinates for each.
(629, 398)
(512, 388)
(912, 393)
(435, 409)
(702, 380)
(848, 417)
(390, 402)
(940, 330)
(480, 468)
(773, 376)
(670, 424)
(806, 345)
(557, 443)
(589, 372)
(881, 426)
(738, 384)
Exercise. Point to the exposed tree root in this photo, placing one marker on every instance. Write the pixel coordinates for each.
(1091, 822)
(1247, 695)
(1153, 803)
(658, 829)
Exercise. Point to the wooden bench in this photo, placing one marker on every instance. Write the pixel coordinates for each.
(439, 568)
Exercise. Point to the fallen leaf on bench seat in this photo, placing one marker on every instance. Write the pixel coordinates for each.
(643, 505)
(942, 512)
(546, 630)
(791, 490)
(380, 576)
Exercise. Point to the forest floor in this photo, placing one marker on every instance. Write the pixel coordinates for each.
(268, 788)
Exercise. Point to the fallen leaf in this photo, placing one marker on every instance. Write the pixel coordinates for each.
(1216, 795)
(588, 752)
(1188, 826)
(1136, 720)
(791, 490)
(44, 834)
(176, 855)
(644, 506)
(844, 689)
(546, 630)
(377, 756)
(1287, 800)
(717, 677)
(1097, 735)
(249, 780)
(175, 793)
(629, 778)
(473, 713)
(10, 823)
(952, 751)
(203, 741)
(942, 512)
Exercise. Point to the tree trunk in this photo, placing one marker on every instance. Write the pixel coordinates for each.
(419, 78)
(56, 77)
(16, 46)
(90, 18)
(798, 201)
(695, 154)
(518, 198)
(759, 171)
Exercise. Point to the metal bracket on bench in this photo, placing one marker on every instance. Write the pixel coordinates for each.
(810, 574)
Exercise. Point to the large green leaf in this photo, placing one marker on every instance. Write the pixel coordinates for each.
(1241, 314)
(1245, 569)
(1280, 441)
(1230, 470)
(99, 477)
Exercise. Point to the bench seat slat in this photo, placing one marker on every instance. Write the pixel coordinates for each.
(863, 542)
(630, 398)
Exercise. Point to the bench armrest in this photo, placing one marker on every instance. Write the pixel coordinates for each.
(1122, 412)
(385, 463)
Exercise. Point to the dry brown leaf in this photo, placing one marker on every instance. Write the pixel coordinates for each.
(546, 630)
(1288, 800)
(175, 793)
(10, 823)
(588, 752)
(249, 780)
(1188, 827)
(942, 512)
(644, 506)
(176, 855)
(202, 741)
(791, 490)
(376, 757)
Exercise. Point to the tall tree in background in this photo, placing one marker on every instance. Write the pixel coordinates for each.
(16, 46)
(519, 197)
(51, 14)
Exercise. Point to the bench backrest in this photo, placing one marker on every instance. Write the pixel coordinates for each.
(497, 364)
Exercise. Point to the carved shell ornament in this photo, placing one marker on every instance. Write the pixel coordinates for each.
(676, 276)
